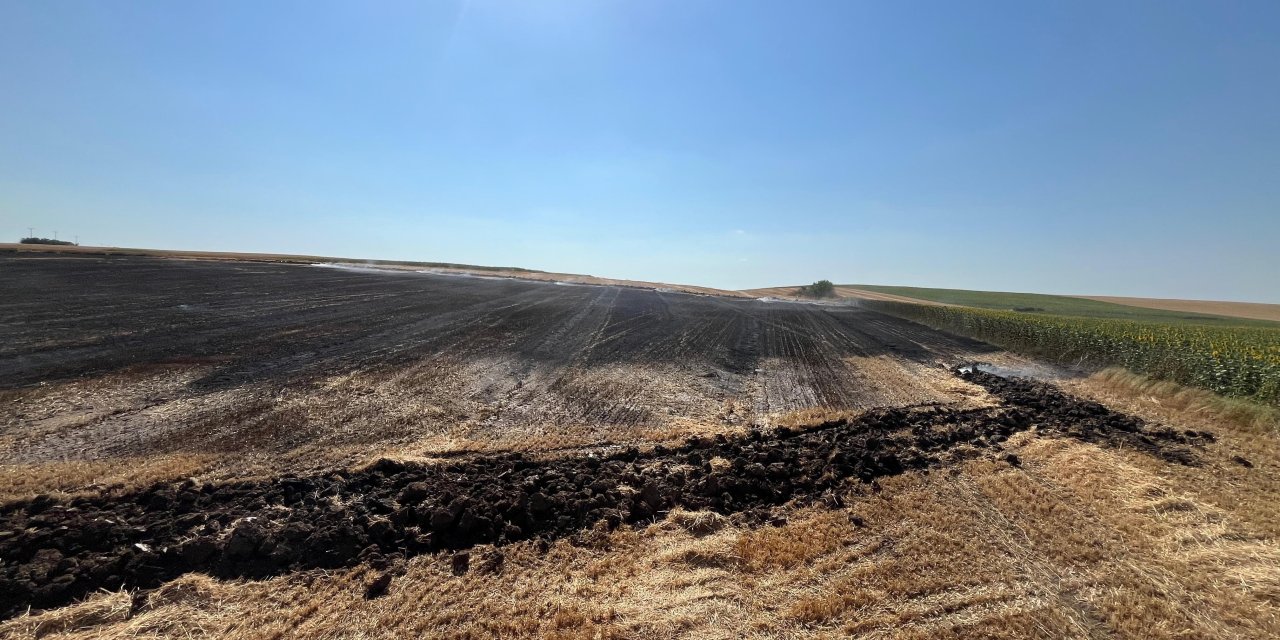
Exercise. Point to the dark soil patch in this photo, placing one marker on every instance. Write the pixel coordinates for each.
(54, 552)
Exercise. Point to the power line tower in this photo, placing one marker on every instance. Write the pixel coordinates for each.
(31, 232)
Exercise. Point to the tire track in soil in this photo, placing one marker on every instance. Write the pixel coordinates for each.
(531, 381)
(55, 552)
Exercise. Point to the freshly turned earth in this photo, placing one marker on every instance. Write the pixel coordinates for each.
(54, 552)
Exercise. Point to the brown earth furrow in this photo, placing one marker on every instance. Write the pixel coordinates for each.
(57, 551)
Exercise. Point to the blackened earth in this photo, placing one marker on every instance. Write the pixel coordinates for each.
(54, 552)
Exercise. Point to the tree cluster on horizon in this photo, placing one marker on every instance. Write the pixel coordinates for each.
(44, 241)
(819, 289)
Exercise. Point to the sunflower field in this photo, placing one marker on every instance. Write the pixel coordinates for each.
(1242, 362)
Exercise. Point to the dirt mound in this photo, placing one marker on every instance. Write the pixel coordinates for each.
(54, 552)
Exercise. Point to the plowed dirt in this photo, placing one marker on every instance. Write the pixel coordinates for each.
(58, 551)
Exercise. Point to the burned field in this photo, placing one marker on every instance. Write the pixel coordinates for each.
(324, 443)
(112, 357)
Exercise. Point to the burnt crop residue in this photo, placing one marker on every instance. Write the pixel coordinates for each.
(54, 552)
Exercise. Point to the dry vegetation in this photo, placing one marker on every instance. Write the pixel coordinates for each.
(1254, 310)
(1075, 540)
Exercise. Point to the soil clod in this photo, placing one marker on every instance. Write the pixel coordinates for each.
(460, 563)
(378, 586)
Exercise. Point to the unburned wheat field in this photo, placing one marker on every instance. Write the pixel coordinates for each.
(257, 450)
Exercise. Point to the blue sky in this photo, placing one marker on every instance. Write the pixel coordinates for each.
(1127, 148)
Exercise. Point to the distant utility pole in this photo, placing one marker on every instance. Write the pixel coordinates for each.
(31, 232)
(77, 240)
(55, 234)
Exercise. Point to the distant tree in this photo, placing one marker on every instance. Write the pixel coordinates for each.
(819, 289)
(44, 241)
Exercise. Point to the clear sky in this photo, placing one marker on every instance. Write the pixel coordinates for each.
(1127, 148)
